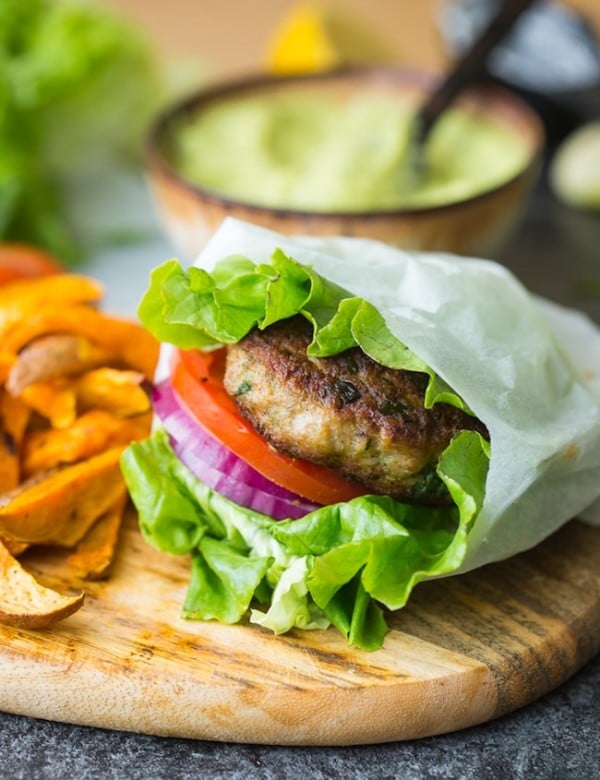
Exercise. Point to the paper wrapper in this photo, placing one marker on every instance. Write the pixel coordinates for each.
(529, 369)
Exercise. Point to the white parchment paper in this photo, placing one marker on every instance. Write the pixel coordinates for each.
(529, 369)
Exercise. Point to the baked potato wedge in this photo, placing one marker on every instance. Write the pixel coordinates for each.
(25, 603)
(74, 392)
(58, 507)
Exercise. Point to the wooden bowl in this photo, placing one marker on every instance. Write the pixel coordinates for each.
(476, 225)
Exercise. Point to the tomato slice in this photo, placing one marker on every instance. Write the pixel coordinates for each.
(18, 261)
(197, 378)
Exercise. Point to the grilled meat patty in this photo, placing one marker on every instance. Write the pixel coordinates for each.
(346, 412)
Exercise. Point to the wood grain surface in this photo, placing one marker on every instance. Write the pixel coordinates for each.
(466, 650)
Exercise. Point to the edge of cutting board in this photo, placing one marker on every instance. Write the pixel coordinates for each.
(465, 650)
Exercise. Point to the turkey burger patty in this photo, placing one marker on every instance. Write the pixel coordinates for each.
(347, 412)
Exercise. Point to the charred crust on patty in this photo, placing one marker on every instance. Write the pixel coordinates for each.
(347, 412)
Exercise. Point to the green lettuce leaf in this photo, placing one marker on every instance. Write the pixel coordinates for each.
(197, 309)
(341, 564)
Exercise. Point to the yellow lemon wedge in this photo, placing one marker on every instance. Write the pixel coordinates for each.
(315, 37)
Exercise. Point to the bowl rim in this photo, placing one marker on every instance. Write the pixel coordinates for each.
(411, 77)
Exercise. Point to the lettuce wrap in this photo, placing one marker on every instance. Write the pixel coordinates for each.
(526, 368)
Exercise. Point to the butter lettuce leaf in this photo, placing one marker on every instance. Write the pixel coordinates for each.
(341, 564)
(196, 309)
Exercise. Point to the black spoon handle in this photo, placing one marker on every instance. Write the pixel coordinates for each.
(469, 66)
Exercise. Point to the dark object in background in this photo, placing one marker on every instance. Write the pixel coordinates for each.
(551, 57)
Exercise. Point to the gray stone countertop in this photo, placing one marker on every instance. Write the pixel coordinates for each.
(556, 252)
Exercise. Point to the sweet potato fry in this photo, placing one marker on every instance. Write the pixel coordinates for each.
(132, 429)
(88, 435)
(51, 356)
(60, 506)
(95, 552)
(128, 342)
(14, 415)
(55, 400)
(20, 300)
(123, 393)
(14, 548)
(74, 391)
(7, 361)
(26, 603)
(9, 458)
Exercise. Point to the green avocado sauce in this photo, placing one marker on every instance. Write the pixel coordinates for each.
(313, 153)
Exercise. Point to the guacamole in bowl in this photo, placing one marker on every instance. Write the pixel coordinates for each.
(331, 154)
(317, 152)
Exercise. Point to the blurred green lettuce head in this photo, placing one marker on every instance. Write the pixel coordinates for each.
(78, 85)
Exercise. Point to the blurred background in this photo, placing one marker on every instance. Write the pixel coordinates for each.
(553, 50)
(232, 36)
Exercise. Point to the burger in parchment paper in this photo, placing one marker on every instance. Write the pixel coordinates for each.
(337, 420)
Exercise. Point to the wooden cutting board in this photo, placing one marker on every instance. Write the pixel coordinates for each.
(466, 649)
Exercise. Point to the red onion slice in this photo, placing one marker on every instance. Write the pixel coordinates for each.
(220, 468)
